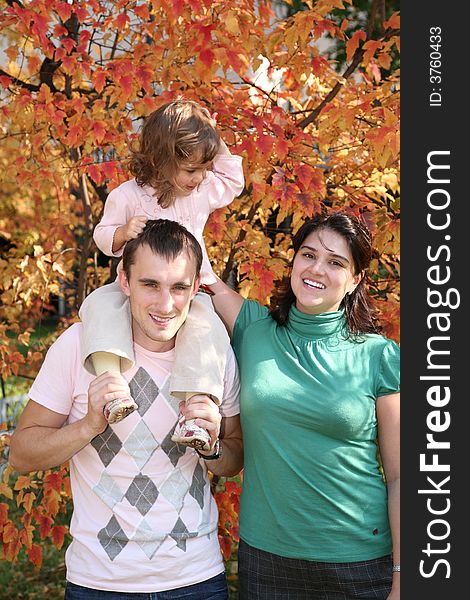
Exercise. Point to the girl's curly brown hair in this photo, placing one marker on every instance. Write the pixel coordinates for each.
(176, 132)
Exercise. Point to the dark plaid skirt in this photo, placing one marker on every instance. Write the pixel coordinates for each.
(266, 576)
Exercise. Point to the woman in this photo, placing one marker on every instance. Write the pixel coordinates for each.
(319, 390)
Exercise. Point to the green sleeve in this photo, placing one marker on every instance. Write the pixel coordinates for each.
(389, 370)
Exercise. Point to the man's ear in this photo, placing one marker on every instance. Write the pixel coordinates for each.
(123, 282)
(197, 283)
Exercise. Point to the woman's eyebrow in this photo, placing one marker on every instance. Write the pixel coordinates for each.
(330, 251)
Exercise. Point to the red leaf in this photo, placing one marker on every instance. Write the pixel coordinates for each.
(96, 174)
(122, 21)
(99, 80)
(99, 131)
(74, 136)
(225, 546)
(5, 81)
(125, 83)
(40, 26)
(45, 524)
(305, 174)
(216, 224)
(144, 76)
(35, 555)
(69, 64)
(68, 43)
(207, 57)
(81, 12)
(265, 144)
(58, 534)
(142, 11)
(282, 148)
(3, 514)
(109, 169)
(64, 10)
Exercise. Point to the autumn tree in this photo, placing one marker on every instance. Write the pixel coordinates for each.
(76, 79)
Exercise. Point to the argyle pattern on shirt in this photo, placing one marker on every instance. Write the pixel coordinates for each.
(166, 492)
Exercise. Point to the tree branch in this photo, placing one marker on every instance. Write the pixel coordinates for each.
(87, 214)
(15, 81)
(356, 61)
(241, 236)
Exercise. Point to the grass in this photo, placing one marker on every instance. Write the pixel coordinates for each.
(20, 580)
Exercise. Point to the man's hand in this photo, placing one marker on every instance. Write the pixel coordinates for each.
(206, 413)
(104, 389)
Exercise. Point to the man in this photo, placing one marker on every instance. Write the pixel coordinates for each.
(144, 520)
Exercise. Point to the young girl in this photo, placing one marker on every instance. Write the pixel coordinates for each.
(182, 171)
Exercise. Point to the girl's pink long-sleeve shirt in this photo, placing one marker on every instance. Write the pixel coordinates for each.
(218, 189)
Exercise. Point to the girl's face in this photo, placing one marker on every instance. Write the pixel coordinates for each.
(323, 272)
(188, 176)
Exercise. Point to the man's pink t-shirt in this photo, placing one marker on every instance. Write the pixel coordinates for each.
(144, 519)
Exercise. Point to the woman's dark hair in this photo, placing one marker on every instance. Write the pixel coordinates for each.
(357, 305)
(175, 133)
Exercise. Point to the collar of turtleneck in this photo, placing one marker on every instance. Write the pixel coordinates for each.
(316, 327)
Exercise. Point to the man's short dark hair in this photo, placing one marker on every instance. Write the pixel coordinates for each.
(165, 238)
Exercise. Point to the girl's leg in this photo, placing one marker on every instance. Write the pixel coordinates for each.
(200, 358)
(107, 341)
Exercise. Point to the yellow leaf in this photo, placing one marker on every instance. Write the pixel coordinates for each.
(231, 23)
(6, 490)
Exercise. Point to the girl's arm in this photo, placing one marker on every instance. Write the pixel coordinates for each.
(223, 149)
(119, 209)
(227, 303)
(388, 418)
(132, 229)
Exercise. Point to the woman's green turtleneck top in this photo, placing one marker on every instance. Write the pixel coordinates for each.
(312, 486)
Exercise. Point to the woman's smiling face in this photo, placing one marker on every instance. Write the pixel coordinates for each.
(323, 272)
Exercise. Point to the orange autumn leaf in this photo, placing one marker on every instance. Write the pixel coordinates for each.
(393, 22)
(45, 525)
(51, 502)
(35, 555)
(28, 500)
(22, 482)
(53, 481)
(58, 535)
(122, 21)
(225, 546)
(99, 131)
(64, 10)
(3, 515)
(353, 43)
(10, 533)
(26, 536)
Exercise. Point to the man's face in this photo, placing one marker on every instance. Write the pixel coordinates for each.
(160, 293)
